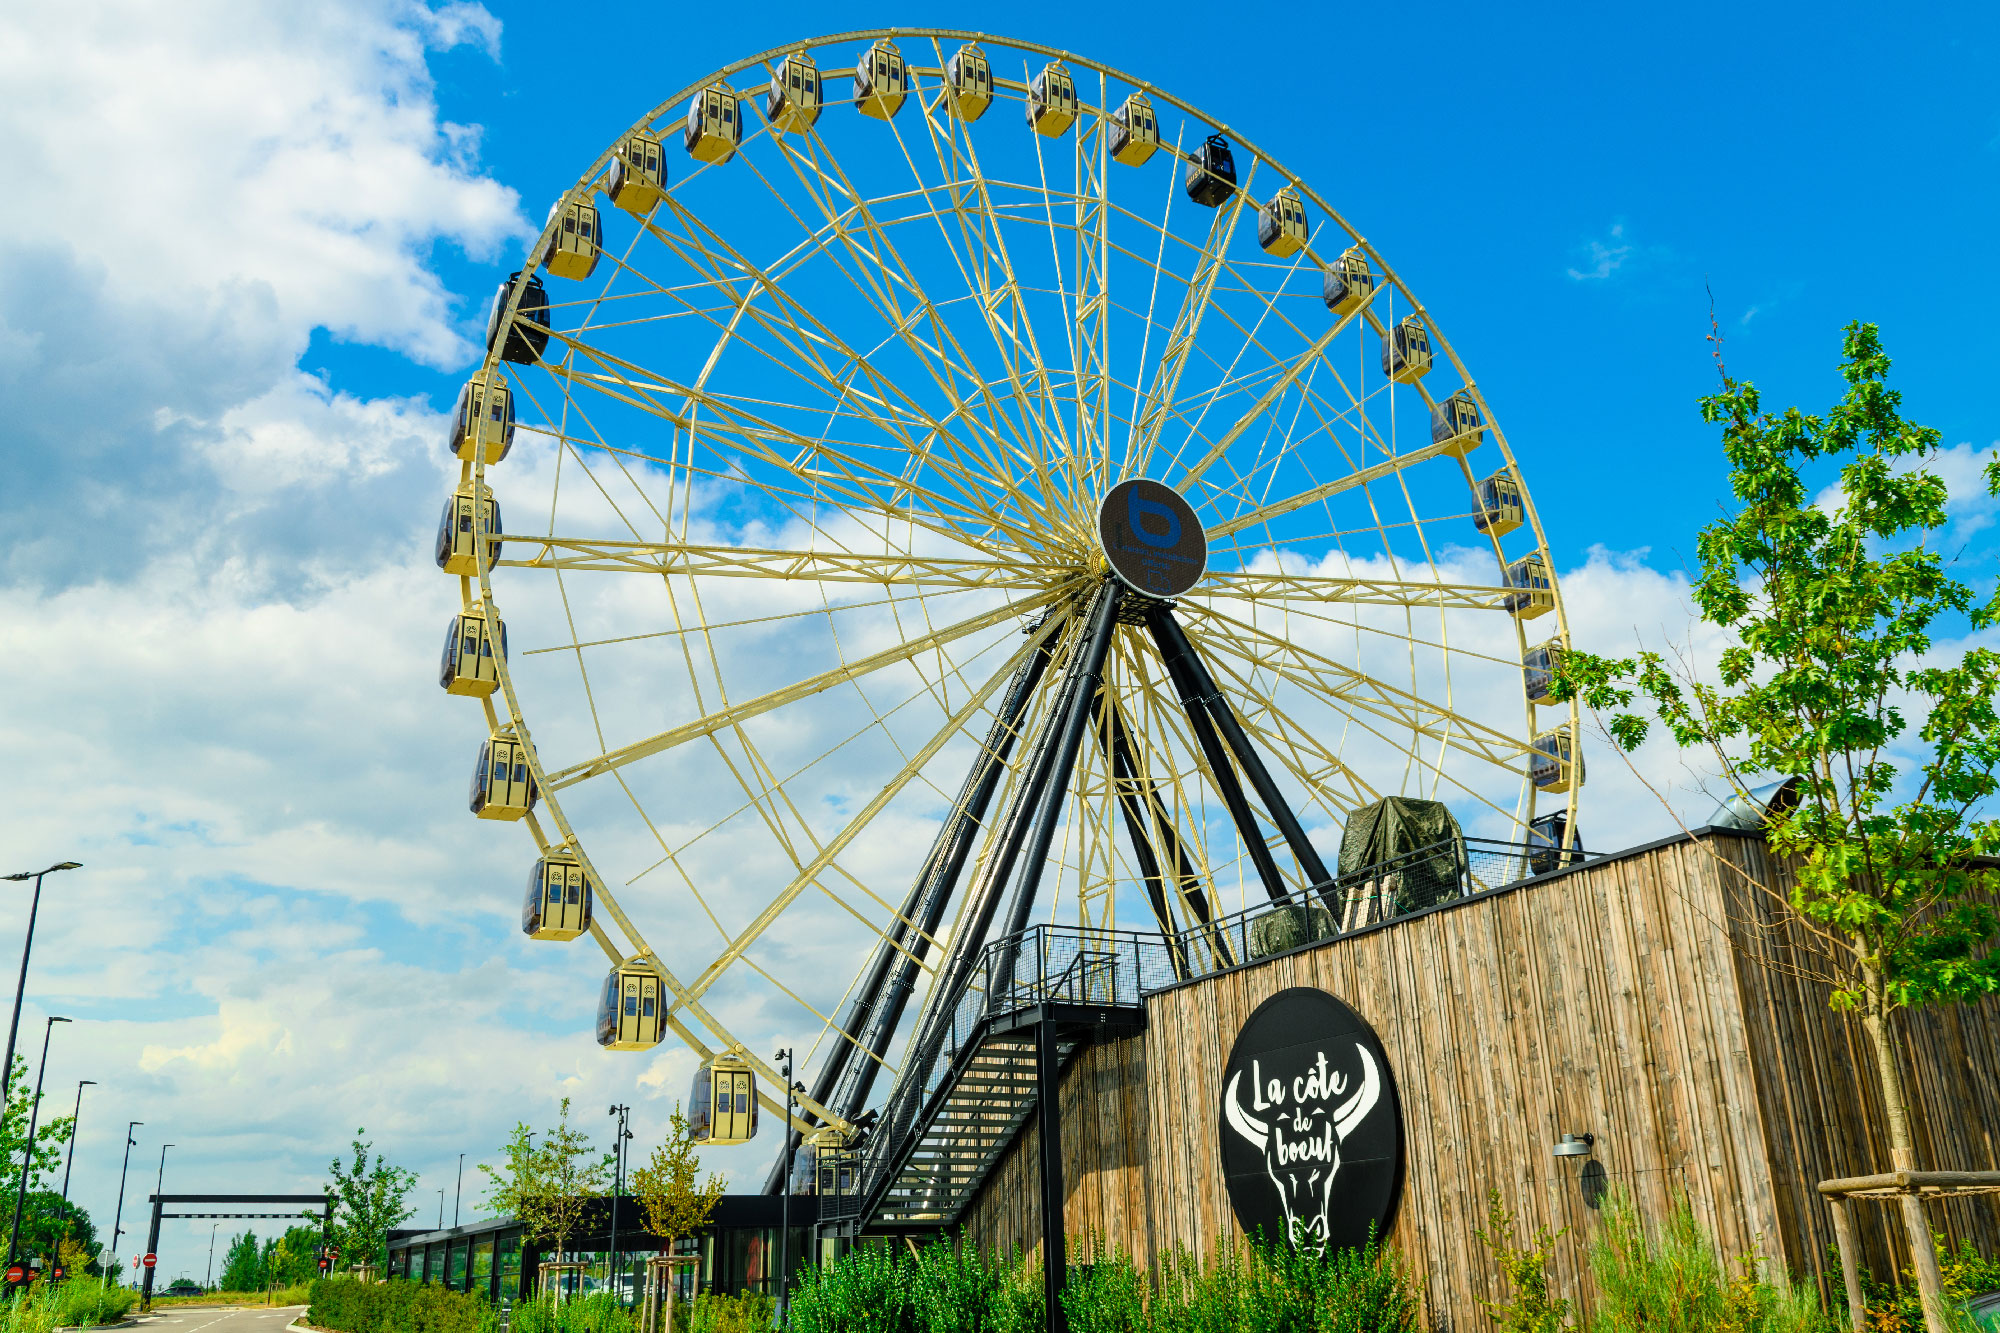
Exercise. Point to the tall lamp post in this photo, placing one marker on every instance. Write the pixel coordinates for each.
(34, 906)
(617, 1188)
(69, 1153)
(209, 1281)
(785, 1210)
(28, 1153)
(118, 1217)
(459, 1192)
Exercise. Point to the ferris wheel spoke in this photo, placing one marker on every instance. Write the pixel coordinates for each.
(1286, 379)
(953, 728)
(1356, 689)
(1326, 490)
(904, 569)
(1187, 325)
(825, 680)
(976, 471)
(1255, 585)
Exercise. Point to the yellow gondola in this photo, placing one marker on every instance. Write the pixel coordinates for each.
(1531, 593)
(637, 181)
(714, 127)
(502, 786)
(793, 103)
(722, 1108)
(968, 75)
(1554, 765)
(1135, 131)
(1406, 351)
(1538, 670)
(881, 81)
(1211, 172)
(631, 1015)
(1457, 424)
(558, 904)
(1281, 224)
(466, 508)
(528, 335)
(472, 654)
(1347, 282)
(1052, 105)
(1498, 508)
(573, 251)
(482, 422)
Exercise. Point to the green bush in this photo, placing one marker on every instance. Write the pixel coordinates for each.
(747, 1313)
(397, 1306)
(599, 1312)
(1673, 1282)
(75, 1304)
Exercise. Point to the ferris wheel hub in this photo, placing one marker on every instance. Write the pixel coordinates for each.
(1152, 538)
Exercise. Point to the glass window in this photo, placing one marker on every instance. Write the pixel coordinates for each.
(649, 1006)
(434, 1264)
(631, 1006)
(482, 1265)
(465, 521)
(520, 772)
(455, 1267)
(742, 1103)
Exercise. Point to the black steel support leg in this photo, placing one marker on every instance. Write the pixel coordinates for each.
(152, 1247)
(1055, 1247)
(1199, 693)
(1127, 782)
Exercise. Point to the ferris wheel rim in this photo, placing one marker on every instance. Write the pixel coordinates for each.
(516, 721)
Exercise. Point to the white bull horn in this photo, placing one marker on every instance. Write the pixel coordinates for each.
(1347, 1117)
(1241, 1120)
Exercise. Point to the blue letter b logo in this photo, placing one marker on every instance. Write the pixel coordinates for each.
(1137, 510)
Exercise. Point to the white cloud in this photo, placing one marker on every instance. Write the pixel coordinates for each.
(1603, 257)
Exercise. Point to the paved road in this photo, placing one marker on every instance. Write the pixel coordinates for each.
(258, 1320)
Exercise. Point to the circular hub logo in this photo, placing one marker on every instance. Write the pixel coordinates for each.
(1312, 1137)
(1152, 538)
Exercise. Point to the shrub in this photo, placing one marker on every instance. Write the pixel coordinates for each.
(397, 1306)
(1529, 1306)
(1673, 1282)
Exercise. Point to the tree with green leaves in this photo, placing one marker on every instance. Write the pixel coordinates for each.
(293, 1258)
(50, 1136)
(1834, 676)
(47, 1221)
(547, 1187)
(672, 1196)
(243, 1265)
(368, 1199)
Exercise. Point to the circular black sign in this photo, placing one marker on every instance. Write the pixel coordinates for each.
(1312, 1136)
(1152, 538)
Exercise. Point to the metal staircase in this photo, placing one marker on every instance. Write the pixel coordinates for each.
(941, 1133)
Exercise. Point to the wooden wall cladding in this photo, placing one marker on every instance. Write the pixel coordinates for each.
(1647, 999)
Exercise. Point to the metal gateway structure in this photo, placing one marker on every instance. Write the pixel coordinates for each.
(951, 487)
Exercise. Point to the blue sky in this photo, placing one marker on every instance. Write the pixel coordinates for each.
(225, 353)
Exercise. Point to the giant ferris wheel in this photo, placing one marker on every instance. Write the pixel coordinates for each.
(923, 484)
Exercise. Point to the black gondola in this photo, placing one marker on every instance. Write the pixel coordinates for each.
(528, 335)
(1211, 176)
(558, 903)
(472, 654)
(1553, 847)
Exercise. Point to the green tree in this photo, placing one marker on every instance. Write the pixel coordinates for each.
(1833, 608)
(674, 1199)
(368, 1199)
(51, 1134)
(46, 1220)
(547, 1186)
(243, 1266)
(293, 1258)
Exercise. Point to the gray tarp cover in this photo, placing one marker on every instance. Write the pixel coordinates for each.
(1399, 824)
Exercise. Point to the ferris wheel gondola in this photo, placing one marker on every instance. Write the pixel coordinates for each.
(1055, 540)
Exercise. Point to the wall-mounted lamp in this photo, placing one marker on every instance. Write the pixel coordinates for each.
(1575, 1145)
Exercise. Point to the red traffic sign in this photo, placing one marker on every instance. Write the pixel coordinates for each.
(57, 1272)
(150, 1260)
(16, 1275)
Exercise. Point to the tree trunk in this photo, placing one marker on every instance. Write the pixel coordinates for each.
(1902, 1148)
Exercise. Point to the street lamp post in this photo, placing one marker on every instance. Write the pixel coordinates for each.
(69, 1152)
(440, 1209)
(28, 1154)
(458, 1192)
(118, 1218)
(618, 1139)
(21, 986)
(785, 1213)
(209, 1281)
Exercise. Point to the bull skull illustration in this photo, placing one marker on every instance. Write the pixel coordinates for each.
(1301, 1147)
